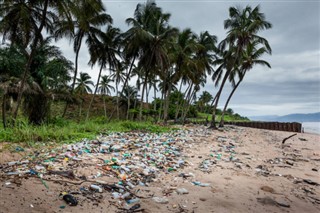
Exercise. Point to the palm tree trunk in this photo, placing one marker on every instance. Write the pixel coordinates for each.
(134, 106)
(179, 104)
(207, 119)
(155, 97)
(142, 95)
(28, 65)
(76, 65)
(95, 92)
(118, 113)
(128, 108)
(213, 121)
(74, 76)
(226, 105)
(80, 110)
(186, 101)
(104, 106)
(4, 121)
(124, 84)
(161, 103)
(166, 107)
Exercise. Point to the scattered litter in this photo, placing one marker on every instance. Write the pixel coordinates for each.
(161, 200)
(311, 182)
(70, 200)
(182, 191)
(198, 183)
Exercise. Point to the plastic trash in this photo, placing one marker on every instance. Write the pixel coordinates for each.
(125, 195)
(161, 200)
(182, 191)
(96, 188)
(131, 201)
(70, 200)
(116, 195)
(198, 183)
(13, 173)
(135, 207)
(19, 149)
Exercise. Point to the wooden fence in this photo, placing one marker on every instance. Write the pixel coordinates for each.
(281, 126)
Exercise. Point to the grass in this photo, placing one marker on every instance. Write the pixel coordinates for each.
(66, 131)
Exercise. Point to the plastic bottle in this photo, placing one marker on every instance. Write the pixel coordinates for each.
(116, 195)
(161, 200)
(97, 188)
(125, 195)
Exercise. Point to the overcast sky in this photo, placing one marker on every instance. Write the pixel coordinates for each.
(293, 83)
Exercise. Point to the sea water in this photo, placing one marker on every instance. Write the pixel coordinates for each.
(311, 127)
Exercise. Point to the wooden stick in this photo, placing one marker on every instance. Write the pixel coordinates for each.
(284, 140)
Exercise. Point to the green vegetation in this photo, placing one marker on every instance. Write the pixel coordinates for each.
(61, 130)
(37, 83)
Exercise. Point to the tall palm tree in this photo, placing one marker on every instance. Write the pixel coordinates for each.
(200, 66)
(105, 89)
(104, 50)
(182, 55)
(243, 27)
(249, 58)
(118, 77)
(129, 94)
(205, 98)
(84, 25)
(151, 31)
(83, 84)
(87, 25)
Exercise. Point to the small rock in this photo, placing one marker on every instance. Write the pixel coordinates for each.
(202, 199)
(267, 189)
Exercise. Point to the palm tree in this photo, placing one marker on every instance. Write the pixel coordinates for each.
(151, 32)
(182, 54)
(105, 89)
(205, 98)
(104, 51)
(199, 67)
(48, 70)
(249, 58)
(84, 25)
(118, 77)
(129, 94)
(83, 84)
(243, 26)
(88, 25)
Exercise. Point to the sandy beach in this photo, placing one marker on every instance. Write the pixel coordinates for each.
(234, 169)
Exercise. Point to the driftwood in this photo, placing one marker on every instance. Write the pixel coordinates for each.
(284, 140)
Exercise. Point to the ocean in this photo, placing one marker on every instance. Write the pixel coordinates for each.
(311, 127)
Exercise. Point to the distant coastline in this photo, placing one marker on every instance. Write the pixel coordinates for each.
(311, 127)
(309, 117)
(310, 121)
